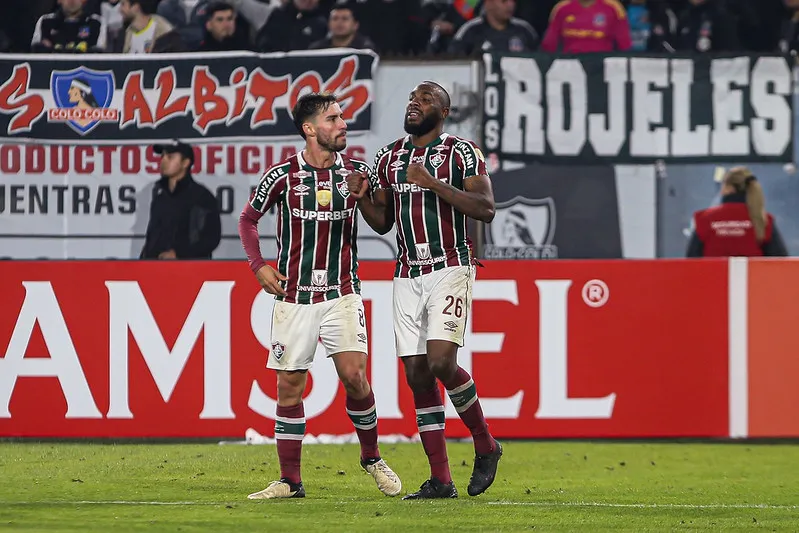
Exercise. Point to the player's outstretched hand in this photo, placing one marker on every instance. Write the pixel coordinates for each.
(358, 184)
(418, 175)
(270, 279)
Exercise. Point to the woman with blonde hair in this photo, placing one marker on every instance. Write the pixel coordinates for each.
(740, 225)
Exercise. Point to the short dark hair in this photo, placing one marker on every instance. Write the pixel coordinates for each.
(445, 101)
(345, 6)
(308, 106)
(215, 7)
(148, 7)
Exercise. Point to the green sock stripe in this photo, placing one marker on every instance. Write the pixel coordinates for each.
(464, 397)
(285, 428)
(430, 421)
(365, 421)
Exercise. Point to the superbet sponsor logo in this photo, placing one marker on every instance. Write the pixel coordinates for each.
(406, 187)
(130, 319)
(206, 100)
(322, 216)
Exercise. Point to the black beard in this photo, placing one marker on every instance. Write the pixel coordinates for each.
(330, 145)
(427, 125)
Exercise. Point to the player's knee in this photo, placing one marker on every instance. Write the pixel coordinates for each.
(443, 367)
(420, 379)
(289, 395)
(355, 383)
(289, 389)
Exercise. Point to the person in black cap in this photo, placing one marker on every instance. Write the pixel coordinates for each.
(184, 215)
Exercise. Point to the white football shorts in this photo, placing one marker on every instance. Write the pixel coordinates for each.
(297, 328)
(433, 306)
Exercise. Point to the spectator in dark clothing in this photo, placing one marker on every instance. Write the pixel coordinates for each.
(495, 30)
(343, 31)
(188, 17)
(70, 29)
(536, 13)
(395, 26)
(443, 18)
(169, 43)
(789, 32)
(220, 30)
(292, 26)
(19, 28)
(757, 23)
(652, 25)
(705, 26)
(740, 225)
(184, 215)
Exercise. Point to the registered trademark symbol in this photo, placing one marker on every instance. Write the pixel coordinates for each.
(595, 293)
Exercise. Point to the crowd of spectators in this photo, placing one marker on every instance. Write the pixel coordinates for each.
(399, 27)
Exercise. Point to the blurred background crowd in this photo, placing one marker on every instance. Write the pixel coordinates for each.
(415, 28)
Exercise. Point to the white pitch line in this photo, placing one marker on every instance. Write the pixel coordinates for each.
(528, 504)
(651, 505)
(109, 502)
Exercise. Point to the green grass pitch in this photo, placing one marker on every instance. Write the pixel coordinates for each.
(541, 486)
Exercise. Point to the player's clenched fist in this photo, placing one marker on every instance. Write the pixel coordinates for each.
(418, 175)
(358, 184)
(270, 279)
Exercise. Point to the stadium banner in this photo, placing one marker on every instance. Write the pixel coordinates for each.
(584, 349)
(555, 211)
(634, 109)
(572, 212)
(68, 201)
(93, 202)
(134, 99)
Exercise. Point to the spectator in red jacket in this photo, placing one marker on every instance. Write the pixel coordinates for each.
(740, 225)
(582, 26)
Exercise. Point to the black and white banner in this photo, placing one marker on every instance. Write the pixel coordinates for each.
(555, 212)
(638, 108)
(135, 99)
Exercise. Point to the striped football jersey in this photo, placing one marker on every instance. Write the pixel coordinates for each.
(431, 234)
(317, 227)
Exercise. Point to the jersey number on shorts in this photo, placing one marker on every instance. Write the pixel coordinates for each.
(452, 301)
(361, 320)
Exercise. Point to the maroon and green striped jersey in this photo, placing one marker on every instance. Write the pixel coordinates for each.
(317, 227)
(431, 234)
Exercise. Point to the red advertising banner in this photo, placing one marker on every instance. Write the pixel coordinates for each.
(557, 349)
(773, 365)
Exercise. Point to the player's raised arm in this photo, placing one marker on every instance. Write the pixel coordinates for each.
(376, 206)
(381, 210)
(374, 197)
(476, 200)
